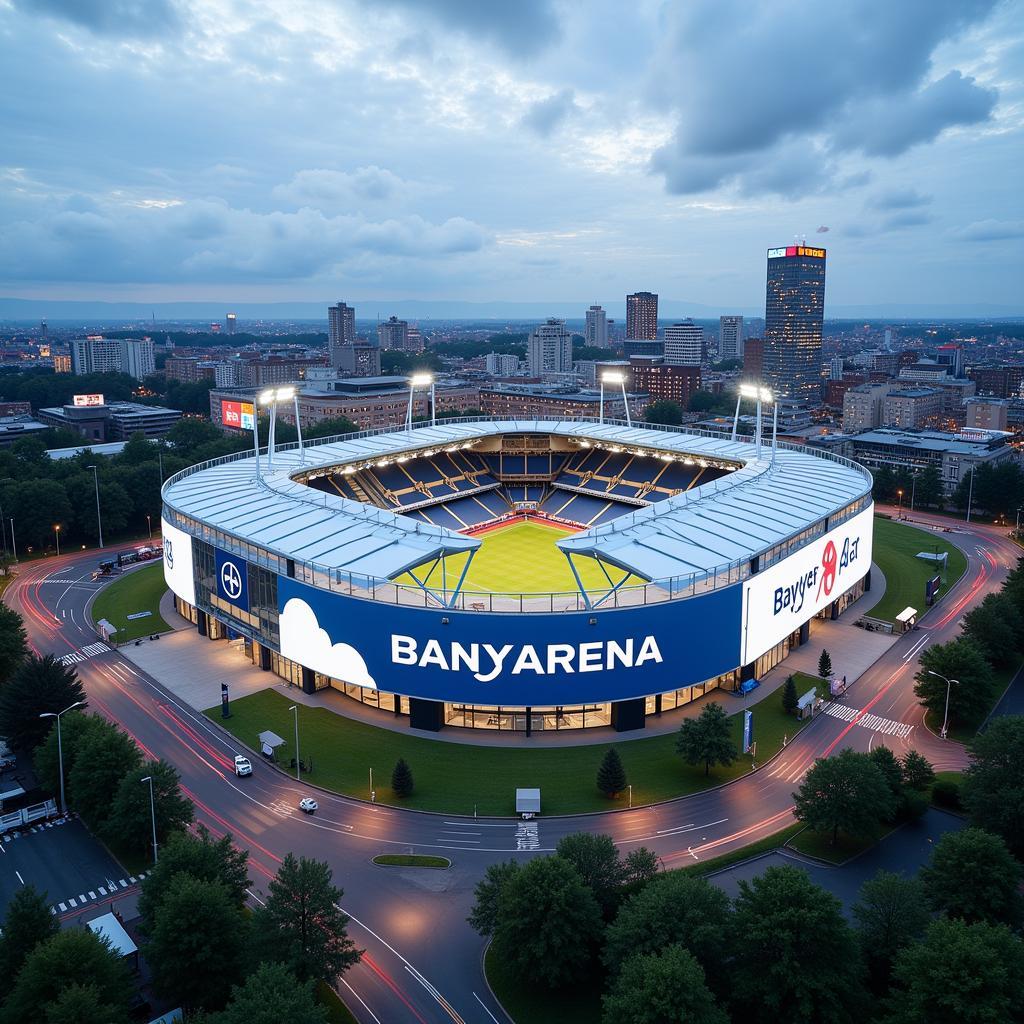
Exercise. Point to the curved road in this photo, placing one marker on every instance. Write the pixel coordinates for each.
(422, 961)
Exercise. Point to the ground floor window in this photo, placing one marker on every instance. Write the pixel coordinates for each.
(542, 719)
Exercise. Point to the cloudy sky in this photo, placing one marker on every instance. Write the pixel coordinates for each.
(467, 149)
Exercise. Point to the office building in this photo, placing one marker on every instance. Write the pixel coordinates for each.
(596, 331)
(549, 348)
(61, 362)
(835, 368)
(684, 344)
(359, 360)
(189, 369)
(862, 407)
(912, 408)
(116, 421)
(393, 334)
(341, 325)
(232, 319)
(987, 413)
(642, 316)
(664, 381)
(96, 354)
(730, 337)
(498, 364)
(997, 381)
(15, 426)
(643, 347)
(794, 312)
(951, 356)
(413, 339)
(753, 359)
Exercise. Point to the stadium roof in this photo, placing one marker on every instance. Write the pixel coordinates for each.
(729, 519)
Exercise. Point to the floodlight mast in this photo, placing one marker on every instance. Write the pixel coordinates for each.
(613, 377)
(420, 380)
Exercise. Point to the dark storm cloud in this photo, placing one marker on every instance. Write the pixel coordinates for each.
(547, 114)
(123, 18)
(521, 28)
(746, 84)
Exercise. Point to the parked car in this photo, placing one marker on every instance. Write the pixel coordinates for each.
(309, 805)
(243, 766)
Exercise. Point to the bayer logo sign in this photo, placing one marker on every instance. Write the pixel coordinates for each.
(232, 584)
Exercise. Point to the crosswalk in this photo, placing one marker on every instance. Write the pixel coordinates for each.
(527, 835)
(88, 651)
(886, 726)
(110, 887)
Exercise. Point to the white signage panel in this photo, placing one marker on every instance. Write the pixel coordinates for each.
(178, 571)
(782, 597)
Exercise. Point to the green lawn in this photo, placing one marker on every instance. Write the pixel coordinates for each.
(458, 778)
(411, 860)
(895, 550)
(337, 1011)
(137, 591)
(816, 844)
(528, 1004)
(520, 558)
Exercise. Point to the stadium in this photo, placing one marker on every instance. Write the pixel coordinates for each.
(518, 575)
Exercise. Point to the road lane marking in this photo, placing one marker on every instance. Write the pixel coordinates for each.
(488, 1012)
(20, 879)
(360, 998)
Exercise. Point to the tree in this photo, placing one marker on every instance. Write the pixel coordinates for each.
(272, 995)
(548, 923)
(197, 943)
(640, 866)
(969, 697)
(82, 1004)
(707, 738)
(401, 779)
(918, 773)
(885, 761)
(996, 626)
(799, 958)
(199, 856)
(73, 729)
(973, 875)
(677, 909)
(27, 923)
(993, 785)
(665, 986)
(706, 401)
(665, 411)
(302, 925)
(73, 957)
(130, 814)
(891, 913)
(611, 775)
(38, 506)
(845, 792)
(105, 757)
(824, 664)
(38, 684)
(790, 700)
(928, 491)
(13, 642)
(489, 893)
(596, 859)
(884, 488)
(960, 974)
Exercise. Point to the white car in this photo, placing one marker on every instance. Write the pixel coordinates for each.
(308, 804)
(243, 766)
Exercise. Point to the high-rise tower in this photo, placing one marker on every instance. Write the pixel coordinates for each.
(641, 316)
(596, 331)
(730, 337)
(794, 311)
(341, 330)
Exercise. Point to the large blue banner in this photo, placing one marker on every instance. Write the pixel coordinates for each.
(232, 580)
(516, 660)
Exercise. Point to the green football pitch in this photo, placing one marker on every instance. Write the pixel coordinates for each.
(520, 558)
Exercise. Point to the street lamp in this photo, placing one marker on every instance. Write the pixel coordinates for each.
(614, 377)
(149, 525)
(14, 544)
(949, 682)
(60, 749)
(420, 380)
(152, 812)
(56, 533)
(899, 512)
(99, 518)
(295, 708)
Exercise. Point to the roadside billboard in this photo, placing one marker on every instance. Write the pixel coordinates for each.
(237, 415)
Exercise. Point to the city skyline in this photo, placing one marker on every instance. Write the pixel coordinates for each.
(545, 152)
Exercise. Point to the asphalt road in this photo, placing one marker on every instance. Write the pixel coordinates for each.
(422, 961)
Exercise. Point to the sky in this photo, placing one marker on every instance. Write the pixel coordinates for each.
(272, 150)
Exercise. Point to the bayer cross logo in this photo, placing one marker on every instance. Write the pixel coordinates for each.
(231, 580)
(169, 552)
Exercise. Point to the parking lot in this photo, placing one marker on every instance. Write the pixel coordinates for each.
(61, 859)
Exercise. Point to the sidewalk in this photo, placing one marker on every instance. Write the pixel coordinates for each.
(193, 668)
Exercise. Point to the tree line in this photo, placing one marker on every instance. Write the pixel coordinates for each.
(670, 945)
(997, 490)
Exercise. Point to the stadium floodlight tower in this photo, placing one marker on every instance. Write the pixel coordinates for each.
(271, 397)
(760, 395)
(614, 377)
(421, 380)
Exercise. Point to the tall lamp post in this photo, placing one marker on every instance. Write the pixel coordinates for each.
(420, 380)
(56, 533)
(60, 749)
(899, 512)
(614, 377)
(99, 518)
(295, 708)
(152, 812)
(970, 495)
(14, 544)
(149, 525)
(949, 683)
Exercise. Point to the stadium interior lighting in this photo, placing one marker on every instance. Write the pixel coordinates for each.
(384, 462)
(350, 469)
(665, 458)
(421, 380)
(402, 458)
(613, 377)
(687, 462)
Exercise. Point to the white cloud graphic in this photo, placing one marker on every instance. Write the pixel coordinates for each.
(305, 641)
